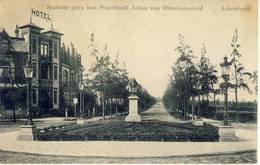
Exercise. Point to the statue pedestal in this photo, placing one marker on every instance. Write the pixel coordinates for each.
(26, 133)
(80, 121)
(227, 134)
(198, 122)
(133, 109)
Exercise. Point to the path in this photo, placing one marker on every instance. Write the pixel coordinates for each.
(158, 112)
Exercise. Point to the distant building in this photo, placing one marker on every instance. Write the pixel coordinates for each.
(55, 67)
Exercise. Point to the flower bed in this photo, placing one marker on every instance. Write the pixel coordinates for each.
(110, 130)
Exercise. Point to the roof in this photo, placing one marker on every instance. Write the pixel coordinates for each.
(31, 25)
(53, 31)
(18, 45)
(3, 33)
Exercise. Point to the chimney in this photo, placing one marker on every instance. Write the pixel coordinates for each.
(16, 31)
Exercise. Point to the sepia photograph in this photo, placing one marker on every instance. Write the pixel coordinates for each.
(128, 81)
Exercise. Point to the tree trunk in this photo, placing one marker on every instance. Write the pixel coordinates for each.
(236, 108)
(116, 110)
(14, 115)
(177, 107)
(192, 107)
(207, 104)
(198, 115)
(103, 106)
(110, 108)
(236, 86)
(214, 104)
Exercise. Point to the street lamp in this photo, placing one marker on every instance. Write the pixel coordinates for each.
(81, 87)
(75, 101)
(66, 93)
(225, 68)
(28, 72)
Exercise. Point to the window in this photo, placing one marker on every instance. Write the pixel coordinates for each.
(55, 72)
(34, 96)
(34, 46)
(55, 50)
(44, 49)
(44, 71)
(72, 77)
(65, 76)
(41, 49)
(55, 96)
(34, 69)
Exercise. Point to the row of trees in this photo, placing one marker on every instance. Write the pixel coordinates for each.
(199, 81)
(107, 79)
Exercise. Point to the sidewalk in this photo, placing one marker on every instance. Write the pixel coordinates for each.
(127, 149)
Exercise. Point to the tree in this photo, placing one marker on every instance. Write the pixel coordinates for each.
(109, 79)
(254, 80)
(239, 71)
(184, 76)
(207, 78)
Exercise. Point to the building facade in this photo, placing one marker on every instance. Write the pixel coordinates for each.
(55, 67)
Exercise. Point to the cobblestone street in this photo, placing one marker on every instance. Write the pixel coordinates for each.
(245, 157)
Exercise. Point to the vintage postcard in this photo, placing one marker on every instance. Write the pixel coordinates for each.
(128, 81)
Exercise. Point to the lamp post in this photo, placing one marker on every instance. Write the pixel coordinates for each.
(28, 72)
(81, 120)
(81, 87)
(225, 66)
(75, 101)
(66, 93)
(27, 130)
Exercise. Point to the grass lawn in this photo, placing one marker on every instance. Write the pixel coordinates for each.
(117, 129)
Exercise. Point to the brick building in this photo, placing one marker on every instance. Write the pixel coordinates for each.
(56, 68)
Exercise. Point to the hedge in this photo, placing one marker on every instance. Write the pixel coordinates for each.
(121, 131)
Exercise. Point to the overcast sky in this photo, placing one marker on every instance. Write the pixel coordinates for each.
(146, 39)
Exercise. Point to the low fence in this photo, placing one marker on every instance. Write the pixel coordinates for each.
(9, 114)
(245, 113)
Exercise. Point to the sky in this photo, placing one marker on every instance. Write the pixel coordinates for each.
(146, 39)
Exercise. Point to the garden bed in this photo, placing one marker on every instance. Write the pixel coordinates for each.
(118, 130)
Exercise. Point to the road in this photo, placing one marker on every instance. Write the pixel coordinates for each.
(158, 112)
(14, 157)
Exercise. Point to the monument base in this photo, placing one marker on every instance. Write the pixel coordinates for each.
(227, 133)
(26, 133)
(133, 109)
(133, 118)
(80, 121)
(198, 122)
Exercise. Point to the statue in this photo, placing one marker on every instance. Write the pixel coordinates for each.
(133, 115)
(132, 86)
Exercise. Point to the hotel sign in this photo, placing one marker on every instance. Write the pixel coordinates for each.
(40, 14)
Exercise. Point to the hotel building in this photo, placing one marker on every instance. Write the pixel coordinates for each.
(56, 68)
